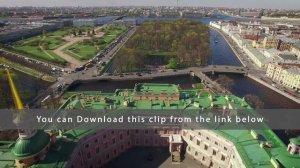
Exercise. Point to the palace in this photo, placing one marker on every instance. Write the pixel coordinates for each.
(217, 148)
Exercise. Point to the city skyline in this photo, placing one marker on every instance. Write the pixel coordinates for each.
(276, 4)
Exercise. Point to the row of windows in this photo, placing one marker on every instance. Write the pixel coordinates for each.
(223, 157)
(207, 138)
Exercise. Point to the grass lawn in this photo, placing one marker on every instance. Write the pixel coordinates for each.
(37, 53)
(81, 51)
(52, 40)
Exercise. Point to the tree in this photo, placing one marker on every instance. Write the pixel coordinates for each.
(45, 46)
(225, 81)
(74, 33)
(172, 64)
(79, 32)
(254, 101)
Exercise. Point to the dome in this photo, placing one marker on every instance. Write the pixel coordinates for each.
(28, 147)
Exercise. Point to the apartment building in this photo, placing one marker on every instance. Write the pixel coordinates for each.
(288, 75)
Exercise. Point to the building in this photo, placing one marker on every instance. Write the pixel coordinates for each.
(256, 56)
(287, 75)
(84, 22)
(296, 49)
(11, 33)
(271, 42)
(94, 148)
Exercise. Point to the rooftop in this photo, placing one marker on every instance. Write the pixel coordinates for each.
(247, 142)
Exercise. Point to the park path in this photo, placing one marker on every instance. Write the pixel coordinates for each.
(70, 41)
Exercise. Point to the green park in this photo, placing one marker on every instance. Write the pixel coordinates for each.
(87, 48)
(173, 44)
(80, 43)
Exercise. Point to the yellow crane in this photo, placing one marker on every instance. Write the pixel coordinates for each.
(17, 100)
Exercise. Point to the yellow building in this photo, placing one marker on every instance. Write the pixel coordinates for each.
(271, 42)
(296, 50)
(291, 78)
(287, 75)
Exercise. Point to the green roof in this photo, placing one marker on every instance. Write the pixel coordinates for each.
(249, 148)
(295, 141)
(28, 147)
(156, 88)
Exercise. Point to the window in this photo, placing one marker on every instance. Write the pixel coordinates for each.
(115, 151)
(146, 141)
(216, 143)
(128, 133)
(199, 133)
(113, 140)
(155, 131)
(88, 155)
(146, 131)
(104, 136)
(205, 147)
(112, 132)
(223, 158)
(121, 137)
(128, 143)
(207, 138)
(214, 152)
(96, 140)
(87, 145)
(137, 141)
(191, 137)
(189, 149)
(122, 147)
(107, 156)
(97, 150)
(105, 145)
(225, 148)
(198, 142)
(136, 131)
(196, 153)
(99, 161)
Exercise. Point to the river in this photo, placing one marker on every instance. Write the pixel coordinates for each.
(221, 54)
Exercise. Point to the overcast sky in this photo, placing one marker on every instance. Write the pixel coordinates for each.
(287, 4)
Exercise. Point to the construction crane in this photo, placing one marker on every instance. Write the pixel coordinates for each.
(17, 100)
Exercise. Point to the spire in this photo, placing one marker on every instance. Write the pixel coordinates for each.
(21, 117)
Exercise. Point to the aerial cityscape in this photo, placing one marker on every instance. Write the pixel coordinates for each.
(149, 57)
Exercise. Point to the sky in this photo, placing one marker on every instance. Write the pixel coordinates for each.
(277, 4)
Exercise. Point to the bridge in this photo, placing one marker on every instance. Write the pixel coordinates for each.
(166, 73)
(58, 88)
